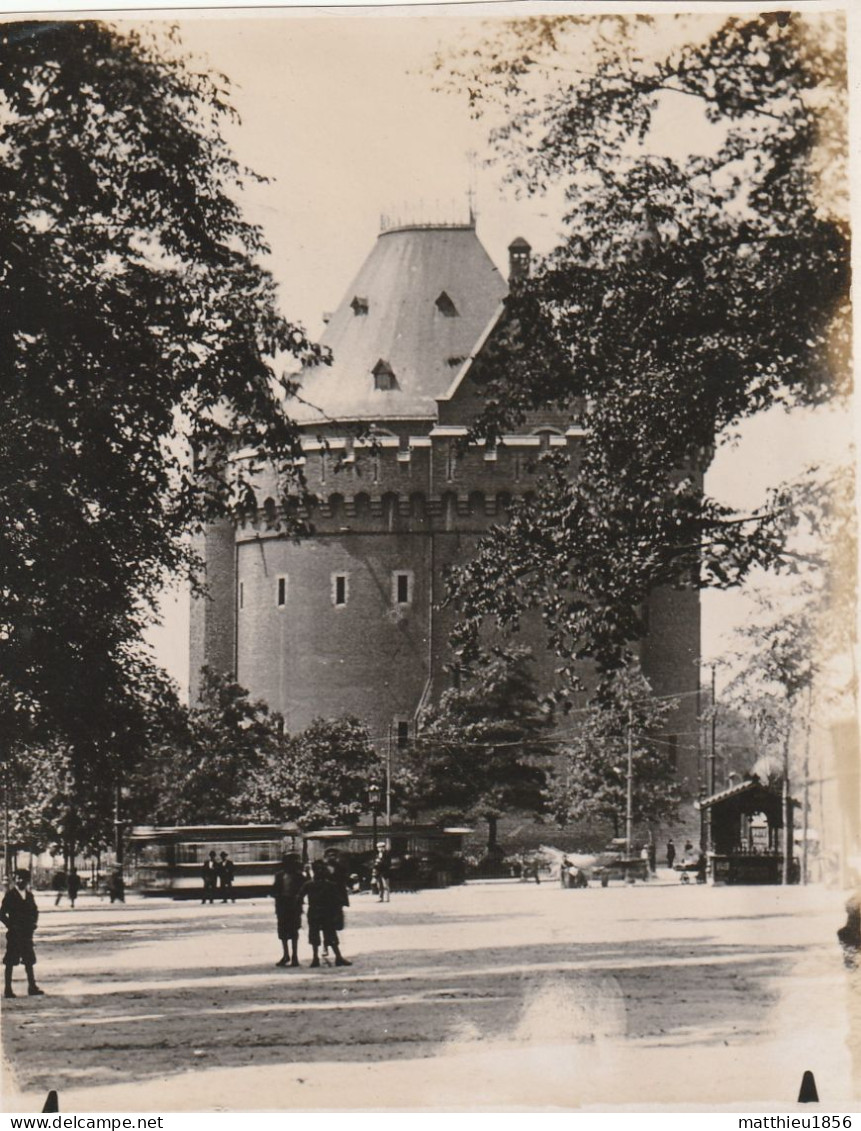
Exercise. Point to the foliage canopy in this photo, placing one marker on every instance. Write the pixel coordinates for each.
(139, 333)
(691, 289)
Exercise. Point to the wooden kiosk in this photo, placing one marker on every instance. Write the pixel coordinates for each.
(746, 822)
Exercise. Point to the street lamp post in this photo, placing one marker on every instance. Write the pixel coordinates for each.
(374, 802)
(629, 797)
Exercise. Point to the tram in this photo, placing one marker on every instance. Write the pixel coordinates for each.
(168, 861)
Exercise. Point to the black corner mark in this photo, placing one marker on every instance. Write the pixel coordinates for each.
(808, 1093)
(52, 1103)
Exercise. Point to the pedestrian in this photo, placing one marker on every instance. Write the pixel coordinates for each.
(565, 872)
(339, 875)
(73, 884)
(702, 866)
(210, 873)
(226, 874)
(117, 886)
(287, 890)
(381, 872)
(59, 885)
(339, 871)
(653, 858)
(671, 853)
(19, 915)
(325, 913)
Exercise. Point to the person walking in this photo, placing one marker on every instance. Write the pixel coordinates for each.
(59, 884)
(73, 884)
(210, 872)
(381, 872)
(117, 886)
(287, 888)
(20, 915)
(227, 870)
(325, 913)
(671, 853)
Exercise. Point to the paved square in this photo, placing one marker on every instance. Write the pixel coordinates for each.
(496, 995)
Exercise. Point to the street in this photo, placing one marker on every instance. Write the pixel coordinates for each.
(496, 995)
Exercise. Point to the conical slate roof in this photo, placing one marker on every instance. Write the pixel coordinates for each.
(408, 320)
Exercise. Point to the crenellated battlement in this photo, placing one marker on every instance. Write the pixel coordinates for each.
(412, 482)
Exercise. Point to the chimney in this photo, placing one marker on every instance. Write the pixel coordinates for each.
(519, 253)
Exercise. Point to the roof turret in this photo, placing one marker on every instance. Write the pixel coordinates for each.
(408, 320)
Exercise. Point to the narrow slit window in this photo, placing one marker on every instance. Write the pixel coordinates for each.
(339, 589)
(402, 588)
(242, 594)
(281, 592)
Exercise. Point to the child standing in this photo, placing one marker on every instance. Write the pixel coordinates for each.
(287, 890)
(325, 912)
(19, 915)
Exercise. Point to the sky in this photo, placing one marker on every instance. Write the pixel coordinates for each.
(339, 111)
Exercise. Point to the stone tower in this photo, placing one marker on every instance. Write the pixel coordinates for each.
(347, 621)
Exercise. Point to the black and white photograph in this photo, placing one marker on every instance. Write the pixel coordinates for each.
(428, 625)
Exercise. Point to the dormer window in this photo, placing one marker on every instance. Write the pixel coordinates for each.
(384, 377)
(445, 306)
(359, 305)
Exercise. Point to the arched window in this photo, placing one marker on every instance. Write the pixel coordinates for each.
(270, 513)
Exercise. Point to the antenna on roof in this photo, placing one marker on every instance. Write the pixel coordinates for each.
(471, 192)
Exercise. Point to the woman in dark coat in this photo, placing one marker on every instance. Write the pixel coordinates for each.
(73, 885)
(19, 915)
(325, 912)
(287, 888)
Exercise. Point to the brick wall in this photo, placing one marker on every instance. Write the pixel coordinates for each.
(212, 623)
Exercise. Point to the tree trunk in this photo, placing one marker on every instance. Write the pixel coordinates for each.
(787, 815)
(491, 833)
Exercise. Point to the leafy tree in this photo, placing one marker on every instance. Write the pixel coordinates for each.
(591, 782)
(205, 776)
(57, 802)
(799, 643)
(688, 293)
(139, 341)
(319, 777)
(47, 811)
(477, 753)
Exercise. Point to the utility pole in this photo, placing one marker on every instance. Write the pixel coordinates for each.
(709, 846)
(787, 815)
(805, 812)
(388, 781)
(7, 855)
(629, 799)
(118, 826)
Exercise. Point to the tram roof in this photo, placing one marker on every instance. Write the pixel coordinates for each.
(362, 831)
(212, 833)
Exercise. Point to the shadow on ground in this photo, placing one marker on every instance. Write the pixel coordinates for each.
(394, 1004)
